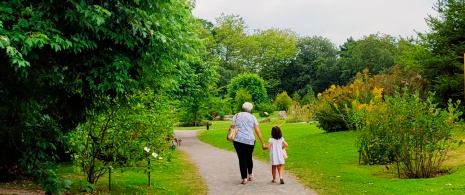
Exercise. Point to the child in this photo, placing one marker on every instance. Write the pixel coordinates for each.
(276, 144)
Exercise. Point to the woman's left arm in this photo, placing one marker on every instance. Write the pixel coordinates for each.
(259, 135)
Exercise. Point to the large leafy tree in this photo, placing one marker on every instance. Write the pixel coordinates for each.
(250, 83)
(445, 43)
(375, 52)
(58, 58)
(277, 47)
(314, 67)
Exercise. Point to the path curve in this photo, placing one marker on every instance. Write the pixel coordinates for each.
(220, 169)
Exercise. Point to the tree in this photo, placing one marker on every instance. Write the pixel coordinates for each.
(277, 47)
(251, 83)
(314, 67)
(375, 52)
(445, 46)
(230, 33)
(58, 58)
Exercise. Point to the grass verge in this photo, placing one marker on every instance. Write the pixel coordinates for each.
(180, 176)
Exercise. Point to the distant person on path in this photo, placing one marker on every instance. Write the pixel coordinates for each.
(244, 143)
(276, 144)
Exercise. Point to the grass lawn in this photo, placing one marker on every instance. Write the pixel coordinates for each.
(180, 176)
(328, 163)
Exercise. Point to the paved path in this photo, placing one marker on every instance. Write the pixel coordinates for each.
(220, 169)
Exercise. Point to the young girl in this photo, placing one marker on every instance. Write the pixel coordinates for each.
(276, 144)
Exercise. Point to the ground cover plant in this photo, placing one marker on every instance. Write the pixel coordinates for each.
(328, 163)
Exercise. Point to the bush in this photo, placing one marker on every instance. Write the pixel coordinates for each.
(265, 108)
(241, 97)
(334, 104)
(283, 101)
(406, 129)
(298, 113)
(251, 83)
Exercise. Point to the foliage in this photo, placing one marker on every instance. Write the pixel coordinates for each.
(442, 60)
(299, 113)
(406, 129)
(283, 101)
(251, 83)
(333, 105)
(266, 109)
(277, 47)
(197, 83)
(314, 67)
(375, 52)
(220, 107)
(59, 58)
(242, 96)
(118, 136)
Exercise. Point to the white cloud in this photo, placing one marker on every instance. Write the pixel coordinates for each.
(333, 19)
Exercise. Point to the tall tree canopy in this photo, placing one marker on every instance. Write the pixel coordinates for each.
(446, 44)
(375, 52)
(59, 57)
(314, 67)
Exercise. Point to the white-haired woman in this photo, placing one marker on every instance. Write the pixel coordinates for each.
(244, 142)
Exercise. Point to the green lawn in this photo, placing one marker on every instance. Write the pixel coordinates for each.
(328, 163)
(180, 176)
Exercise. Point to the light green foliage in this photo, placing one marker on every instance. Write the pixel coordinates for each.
(407, 130)
(241, 97)
(220, 107)
(118, 136)
(197, 83)
(277, 47)
(296, 97)
(283, 101)
(253, 84)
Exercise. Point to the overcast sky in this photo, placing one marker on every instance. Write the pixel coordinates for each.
(333, 19)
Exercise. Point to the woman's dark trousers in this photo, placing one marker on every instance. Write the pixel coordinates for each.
(244, 153)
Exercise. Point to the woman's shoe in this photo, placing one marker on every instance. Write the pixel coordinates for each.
(250, 177)
(244, 181)
(282, 181)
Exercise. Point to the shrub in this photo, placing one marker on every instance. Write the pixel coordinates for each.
(283, 101)
(406, 129)
(334, 104)
(264, 108)
(297, 113)
(251, 83)
(117, 136)
(241, 97)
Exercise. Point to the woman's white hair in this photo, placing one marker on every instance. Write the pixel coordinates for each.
(247, 106)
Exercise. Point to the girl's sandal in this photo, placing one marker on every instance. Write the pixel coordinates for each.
(282, 181)
(273, 181)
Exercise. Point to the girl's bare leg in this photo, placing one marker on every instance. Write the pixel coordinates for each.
(273, 173)
(280, 171)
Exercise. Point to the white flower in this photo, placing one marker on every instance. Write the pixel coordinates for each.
(266, 113)
(160, 158)
(147, 149)
(155, 155)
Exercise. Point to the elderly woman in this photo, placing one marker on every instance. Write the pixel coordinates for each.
(244, 143)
